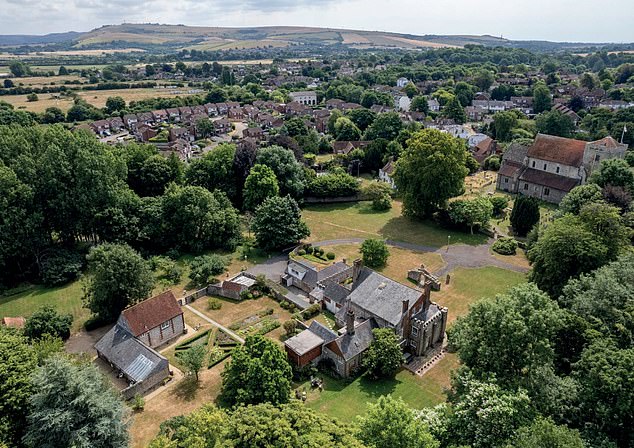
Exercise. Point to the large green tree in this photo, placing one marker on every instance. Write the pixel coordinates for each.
(257, 373)
(544, 433)
(47, 320)
(542, 101)
(287, 169)
(391, 423)
(503, 124)
(430, 171)
(117, 277)
(385, 355)
(454, 111)
(555, 123)
(214, 170)
(278, 223)
(471, 212)
(345, 129)
(386, 126)
(73, 405)
(524, 215)
(375, 253)
(614, 172)
(260, 184)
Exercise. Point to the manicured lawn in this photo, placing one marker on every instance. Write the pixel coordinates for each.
(66, 299)
(345, 400)
(469, 285)
(338, 221)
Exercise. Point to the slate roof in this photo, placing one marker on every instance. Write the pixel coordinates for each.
(304, 342)
(350, 345)
(322, 331)
(331, 270)
(382, 296)
(549, 180)
(151, 313)
(335, 292)
(515, 153)
(566, 151)
(136, 360)
(509, 169)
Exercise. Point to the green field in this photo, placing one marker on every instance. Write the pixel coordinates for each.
(340, 221)
(66, 299)
(345, 400)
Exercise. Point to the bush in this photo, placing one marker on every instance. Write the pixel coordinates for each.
(333, 185)
(47, 320)
(301, 252)
(204, 268)
(61, 266)
(380, 195)
(492, 163)
(214, 304)
(309, 249)
(138, 402)
(499, 204)
(505, 246)
(311, 311)
(246, 295)
(330, 255)
(290, 326)
(316, 250)
(375, 253)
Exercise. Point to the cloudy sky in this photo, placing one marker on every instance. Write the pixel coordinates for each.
(557, 20)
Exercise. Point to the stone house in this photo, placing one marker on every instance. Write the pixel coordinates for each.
(303, 275)
(307, 98)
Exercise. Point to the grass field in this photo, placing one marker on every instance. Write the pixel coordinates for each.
(95, 97)
(337, 221)
(470, 285)
(345, 400)
(66, 299)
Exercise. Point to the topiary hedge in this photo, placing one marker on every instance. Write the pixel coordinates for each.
(505, 246)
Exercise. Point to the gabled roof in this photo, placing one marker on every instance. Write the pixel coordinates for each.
(389, 167)
(515, 153)
(331, 270)
(335, 292)
(136, 360)
(151, 312)
(607, 142)
(381, 296)
(549, 180)
(566, 151)
(350, 345)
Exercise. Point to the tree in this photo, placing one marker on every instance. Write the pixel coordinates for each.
(257, 373)
(483, 80)
(564, 250)
(375, 253)
(8, 84)
(214, 170)
(410, 90)
(31, 97)
(196, 219)
(74, 405)
(205, 267)
(542, 100)
(391, 423)
(19, 68)
(205, 127)
(419, 104)
(508, 336)
(485, 415)
(53, 115)
(362, 117)
(155, 174)
(150, 70)
(524, 215)
(503, 124)
(278, 223)
(114, 104)
(260, 185)
(578, 197)
(544, 433)
(386, 126)
(345, 129)
(588, 81)
(464, 92)
(615, 172)
(471, 212)
(202, 428)
(17, 362)
(430, 171)
(380, 195)
(384, 356)
(118, 277)
(193, 358)
(243, 161)
(454, 111)
(555, 123)
(47, 320)
(287, 169)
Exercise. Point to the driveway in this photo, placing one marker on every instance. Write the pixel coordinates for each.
(273, 268)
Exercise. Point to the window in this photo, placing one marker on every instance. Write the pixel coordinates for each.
(558, 169)
(414, 331)
(597, 158)
(533, 164)
(545, 166)
(506, 180)
(546, 191)
(525, 186)
(412, 344)
(165, 325)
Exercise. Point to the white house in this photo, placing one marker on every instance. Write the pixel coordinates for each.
(307, 98)
(434, 105)
(402, 102)
(402, 82)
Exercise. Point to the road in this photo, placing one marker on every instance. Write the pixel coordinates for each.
(216, 324)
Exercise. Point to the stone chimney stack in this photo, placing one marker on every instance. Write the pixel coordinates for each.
(350, 321)
(405, 307)
(356, 270)
(427, 295)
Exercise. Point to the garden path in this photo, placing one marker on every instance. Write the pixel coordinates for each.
(216, 324)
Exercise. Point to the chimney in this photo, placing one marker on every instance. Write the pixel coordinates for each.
(350, 321)
(405, 306)
(427, 295)
(356, 270)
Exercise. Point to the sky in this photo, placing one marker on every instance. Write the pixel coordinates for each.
(555, 20)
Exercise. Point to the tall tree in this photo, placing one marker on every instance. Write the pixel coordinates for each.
(74, 405)
(260, 184)
(430, 171)
(503, 124)
(544, 433)
(278, 223)
(375, 253)
(47, 320)
(615, 172)
(386, 126)
(454, 111)
(542, 100)
(257, 373)
(214, 171)
(118, 277)
(524, 215)
(555, 123)
(287, 169)
(384, 356)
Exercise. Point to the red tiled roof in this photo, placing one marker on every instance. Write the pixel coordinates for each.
(151, 312)
(566, 151)
(549, 180)
(509, 169)
(607, 142)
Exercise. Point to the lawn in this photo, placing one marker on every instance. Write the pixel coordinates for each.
(340, 221)
(66, 299)
(469, 285)
(344, 400)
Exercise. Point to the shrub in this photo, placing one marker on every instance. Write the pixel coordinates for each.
(214, 304)
(333, 185)
(311, 311)
(505, 246)
(499, 204)
(47, 320)
(61, 266)
(492, 163)
(330, 255)
(379, 194)
(375, 253)
(205, 267)
(309, 249)
(290, 326)
(316, 250)
(246, 295)
(138, 402)
(301, 252)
